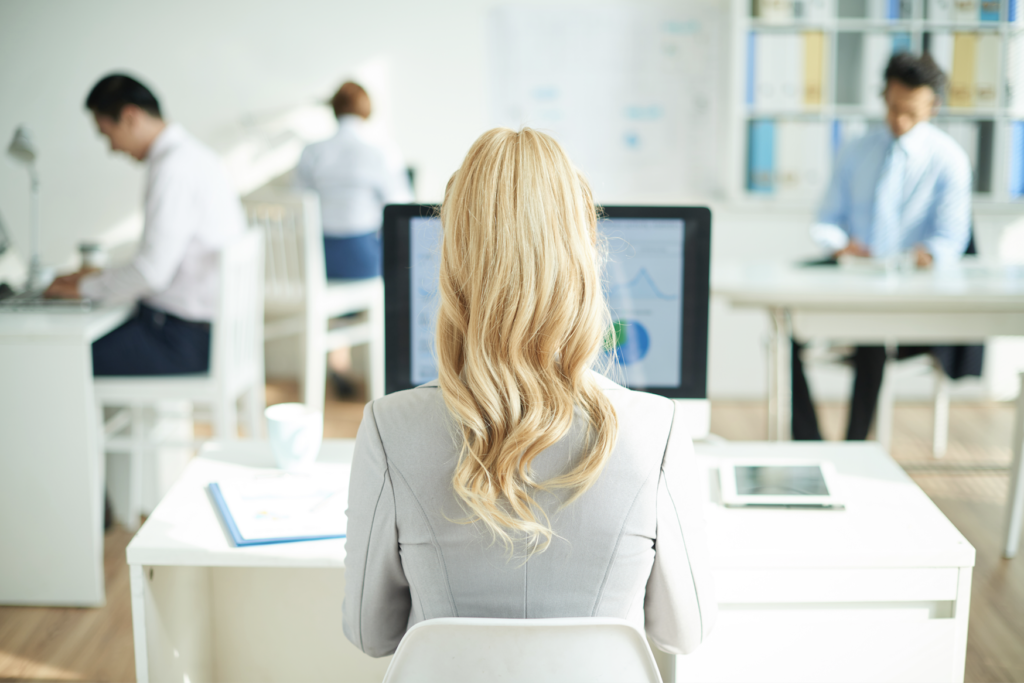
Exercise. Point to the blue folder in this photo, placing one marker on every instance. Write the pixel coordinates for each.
(229, 522)
(761, 158)
(1017, 159)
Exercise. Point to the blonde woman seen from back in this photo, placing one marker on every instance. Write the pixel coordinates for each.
(521, 483)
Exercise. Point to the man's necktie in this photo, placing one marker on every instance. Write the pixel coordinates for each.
(887, 230)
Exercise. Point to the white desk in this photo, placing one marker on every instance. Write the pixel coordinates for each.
(204, 609)
(51, 467)
(879, 591)
(964, 304)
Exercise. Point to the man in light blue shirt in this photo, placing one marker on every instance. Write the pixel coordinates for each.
(905, 188)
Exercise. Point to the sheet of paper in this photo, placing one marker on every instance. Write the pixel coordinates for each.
(283, 505)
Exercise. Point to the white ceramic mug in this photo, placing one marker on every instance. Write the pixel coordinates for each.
(296, 432)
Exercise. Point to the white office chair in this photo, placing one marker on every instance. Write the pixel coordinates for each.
(236, 370)
(300, 300)
(594, 650)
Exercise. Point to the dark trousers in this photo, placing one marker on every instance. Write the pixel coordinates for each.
(353, 257)
(868, 365)
(153, 343)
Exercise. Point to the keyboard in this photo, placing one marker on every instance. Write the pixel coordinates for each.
(35, 301)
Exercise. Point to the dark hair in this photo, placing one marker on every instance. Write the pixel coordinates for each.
(915, 72)
(113, 92)
(351, 98)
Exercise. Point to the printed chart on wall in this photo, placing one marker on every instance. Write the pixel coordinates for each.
(633, 93)
(644, 285)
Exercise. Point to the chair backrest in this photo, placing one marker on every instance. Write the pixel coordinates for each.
(595, 650)
(290, 220)
(237, 343)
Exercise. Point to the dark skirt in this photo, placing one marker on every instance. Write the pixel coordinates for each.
(353, 257)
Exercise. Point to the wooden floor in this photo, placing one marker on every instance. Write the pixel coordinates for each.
(969, 485)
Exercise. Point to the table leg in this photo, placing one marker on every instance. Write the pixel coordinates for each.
(780, 378)
(1015, 502)
(138, 588)
(886, 399)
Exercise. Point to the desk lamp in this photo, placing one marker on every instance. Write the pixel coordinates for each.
(22, 149)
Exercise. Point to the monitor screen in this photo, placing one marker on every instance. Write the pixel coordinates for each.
(646, 281)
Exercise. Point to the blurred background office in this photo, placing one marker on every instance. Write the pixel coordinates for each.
(251, 81)
(736, 105)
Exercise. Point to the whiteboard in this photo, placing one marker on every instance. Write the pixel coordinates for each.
(635, 94)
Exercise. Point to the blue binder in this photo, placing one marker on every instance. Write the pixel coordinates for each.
(1017, 159)
(761, 161)
(236, 536)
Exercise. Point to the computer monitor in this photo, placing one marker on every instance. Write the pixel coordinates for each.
(656, 282)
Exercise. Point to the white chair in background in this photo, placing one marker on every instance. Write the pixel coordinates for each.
(300, 300)
(894, 370)
(236, 370)
(591, 650)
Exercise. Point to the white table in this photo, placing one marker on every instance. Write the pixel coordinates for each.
(963, 304)
(51, 467)
(208, 611)
(879, 591)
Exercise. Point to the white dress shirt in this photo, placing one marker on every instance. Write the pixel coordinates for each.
(935, 205)
(192, 211)
(356, 173)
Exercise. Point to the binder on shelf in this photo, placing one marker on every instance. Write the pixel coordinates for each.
(878, 9)
(767, 67)
(1017, 159)
(900, 42)
(877, 50)
(961, 79)
(965, 11)
(1011, 13)
(1015, 73)
(791, 72)
(990, 10)
(812, 11)
(986, 70)
(940, 47)
(814, 68)
(761, 156)
(941, 10)
(751, 68)
(803, 159)
(774, 11)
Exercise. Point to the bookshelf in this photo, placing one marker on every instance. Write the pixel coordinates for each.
(808, 76)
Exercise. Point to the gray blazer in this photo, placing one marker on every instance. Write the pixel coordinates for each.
(631, 547)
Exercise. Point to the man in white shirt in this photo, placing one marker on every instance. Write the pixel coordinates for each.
(191, 213)
(356, 173)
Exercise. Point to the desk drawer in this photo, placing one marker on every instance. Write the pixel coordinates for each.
(797, 646)
(741, 586)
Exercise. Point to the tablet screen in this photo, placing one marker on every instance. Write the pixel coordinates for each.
(780, 480)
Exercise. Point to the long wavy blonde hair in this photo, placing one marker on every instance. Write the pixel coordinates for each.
(521, 322)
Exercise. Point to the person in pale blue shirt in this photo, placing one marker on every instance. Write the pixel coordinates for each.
(901, 189)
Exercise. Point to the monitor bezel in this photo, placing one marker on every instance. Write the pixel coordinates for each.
(696, 290)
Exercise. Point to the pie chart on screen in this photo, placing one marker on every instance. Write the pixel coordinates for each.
(630, 341)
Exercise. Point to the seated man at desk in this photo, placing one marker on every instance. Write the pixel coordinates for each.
(191, 213)
(902, 189)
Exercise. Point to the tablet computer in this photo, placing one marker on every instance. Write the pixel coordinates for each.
(779, 483)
